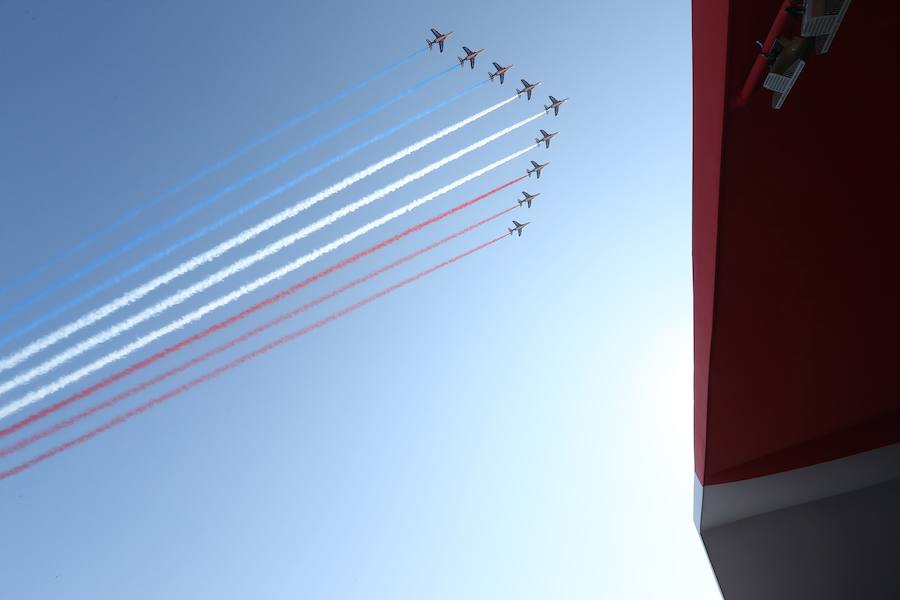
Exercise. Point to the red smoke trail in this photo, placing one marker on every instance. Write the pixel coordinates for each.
(242, 315)
(25, 442)
(210, 375)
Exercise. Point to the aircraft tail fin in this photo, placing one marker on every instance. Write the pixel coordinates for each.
(461, 60)
(546, 108)
(430, 44)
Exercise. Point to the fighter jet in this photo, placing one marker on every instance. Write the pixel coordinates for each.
(554, 104)
(518, 227)
(470, 56)
(546, 139)
(529, 87)
(501, 71)
(537, 168)
(439, 39)
(528, 198)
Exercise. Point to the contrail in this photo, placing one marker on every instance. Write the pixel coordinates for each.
(217, 251)
(241, 210)
(210, 375)
(205, 171)
(186, 293)
(241, 339)
(156, 230)
(235, 318)
(236, 267)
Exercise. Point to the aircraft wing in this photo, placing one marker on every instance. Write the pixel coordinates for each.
(472, 62)
(556, 110)
(436, 33)
(529, 94)
(552, 99)
(534, 164)
(441, 45)
(547, 142)
(501, 77)
(529, 203)
(467, 51)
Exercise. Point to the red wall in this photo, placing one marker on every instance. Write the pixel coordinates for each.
(796, 247)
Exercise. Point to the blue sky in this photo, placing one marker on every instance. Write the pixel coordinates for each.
(517, 425)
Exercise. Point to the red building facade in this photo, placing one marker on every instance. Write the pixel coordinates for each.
(796, 252)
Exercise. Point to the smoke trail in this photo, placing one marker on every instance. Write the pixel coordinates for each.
(210, 375)
(25, 442)
(186, 293)
(283, 294)
(207, 170)
(154, 231)
(241, 210)
(246, 235)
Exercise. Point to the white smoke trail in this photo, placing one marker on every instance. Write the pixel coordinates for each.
(182, 295)
(88, 319)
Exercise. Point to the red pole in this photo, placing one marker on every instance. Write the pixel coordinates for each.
(759, 67)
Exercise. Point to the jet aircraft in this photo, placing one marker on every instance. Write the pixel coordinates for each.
(546, 139)
(439, 39)
(528, 198)
(554, 104)
(518, 228)
(470, 56)
(529, 87)
(501, 71)
(537, 168)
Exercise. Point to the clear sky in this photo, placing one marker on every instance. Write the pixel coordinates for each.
(517, 425)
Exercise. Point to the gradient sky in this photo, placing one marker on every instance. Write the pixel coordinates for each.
(517, 425)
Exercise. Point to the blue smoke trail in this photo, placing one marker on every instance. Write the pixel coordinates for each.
(207, 170)
(209, 200)
(234, 214)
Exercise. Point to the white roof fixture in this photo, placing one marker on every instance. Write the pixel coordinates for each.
(821, 20)
(786, 68)
(781, 85)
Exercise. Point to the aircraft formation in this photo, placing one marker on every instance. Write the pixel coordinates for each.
(527, 89)
(71, 364)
